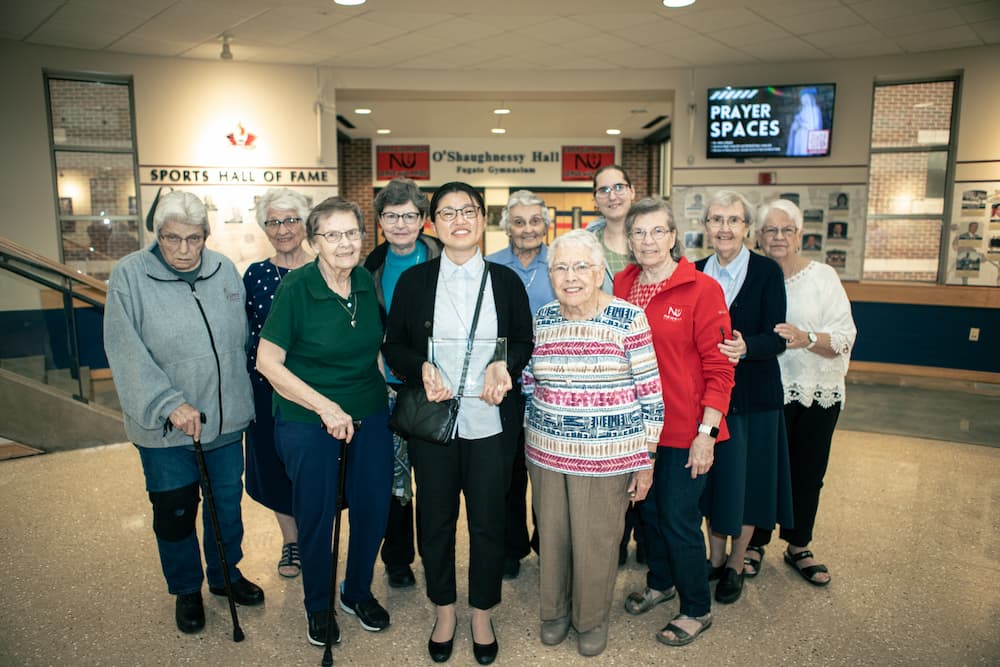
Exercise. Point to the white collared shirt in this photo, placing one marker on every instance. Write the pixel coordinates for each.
(454, 307)
(732, 276)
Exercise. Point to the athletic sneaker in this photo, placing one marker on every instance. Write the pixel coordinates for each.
(372, 616)
(317, 625)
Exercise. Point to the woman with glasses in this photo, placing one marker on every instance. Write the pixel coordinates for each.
(281, 213)
(748, 484)
(613, 197)
(319, 349)
(401, 209)
(175, 333)
(820, 332)
(594, 417)
(438, 299)
(688, 317)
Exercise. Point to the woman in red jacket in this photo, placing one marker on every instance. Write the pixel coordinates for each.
(687, 313)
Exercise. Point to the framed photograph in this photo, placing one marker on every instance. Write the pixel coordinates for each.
(65, 206)
(836, 230)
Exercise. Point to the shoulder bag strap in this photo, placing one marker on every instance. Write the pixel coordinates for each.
(472, 328)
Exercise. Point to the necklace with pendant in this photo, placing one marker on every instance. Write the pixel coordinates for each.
(351, 313)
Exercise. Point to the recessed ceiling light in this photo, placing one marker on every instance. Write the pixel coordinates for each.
(350, 3)
(501, 111)
(613, 131)
(678, 3)
(383, 131)
(362, 111)
(498, 130)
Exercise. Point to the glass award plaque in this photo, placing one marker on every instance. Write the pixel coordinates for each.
(448, 354)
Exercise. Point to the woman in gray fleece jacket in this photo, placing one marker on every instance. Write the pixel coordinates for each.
(175, 333)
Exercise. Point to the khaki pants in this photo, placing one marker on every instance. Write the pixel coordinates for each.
(580, 521)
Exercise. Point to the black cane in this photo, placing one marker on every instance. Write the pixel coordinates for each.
(331, 612)
(206, 485)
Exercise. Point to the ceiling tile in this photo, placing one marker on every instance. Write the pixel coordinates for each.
(703, 50)
(69, 36)
(406, 21)
(826, 19)
(563, 31)
(829, 38)
(714, 20)
(949, 38)
(980, 11)
(461, 30)
(657, 31)
(151, 46)
(920, 22)
(642, 59)
(988, 31)
(879, 10)
(615, 21)
(780, 9)
(789, 49)
(753, 34)
(878, 47)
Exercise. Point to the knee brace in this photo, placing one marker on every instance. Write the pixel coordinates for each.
(174, 512)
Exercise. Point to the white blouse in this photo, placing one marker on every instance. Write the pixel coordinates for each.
(817, 302)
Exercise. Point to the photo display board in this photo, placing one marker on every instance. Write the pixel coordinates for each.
(974, 235)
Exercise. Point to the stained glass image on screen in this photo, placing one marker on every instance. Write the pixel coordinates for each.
(770, 121)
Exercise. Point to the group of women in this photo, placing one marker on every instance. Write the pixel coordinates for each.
(664, 386)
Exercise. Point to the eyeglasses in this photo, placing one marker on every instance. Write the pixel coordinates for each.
(774, 232)
(605, 191)
(174, 241)
(274, 223)
(717, 221)
(470, 213)
(334, 237)
(576, 267)
(389, 218)
(658, 233)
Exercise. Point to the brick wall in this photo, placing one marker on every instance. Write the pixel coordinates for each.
(91, 114)
(642, 161)
(355, 178)
(901, 113)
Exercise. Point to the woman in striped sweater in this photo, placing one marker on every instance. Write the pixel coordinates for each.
(594, 418)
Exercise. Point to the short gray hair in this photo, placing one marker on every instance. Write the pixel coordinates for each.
(580, 238)
(648, 205)
(524, 198)
(785, 206)
(332, 205)
(182, 207)
(401, 191)
(281, 199)
(728, 198)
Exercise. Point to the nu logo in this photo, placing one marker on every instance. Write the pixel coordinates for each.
(673, 314)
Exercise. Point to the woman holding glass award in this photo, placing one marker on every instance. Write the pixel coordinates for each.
(433, 309)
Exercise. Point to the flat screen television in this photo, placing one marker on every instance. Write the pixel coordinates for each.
(770, 121)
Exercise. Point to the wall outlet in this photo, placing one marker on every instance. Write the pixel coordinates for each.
(974, 334)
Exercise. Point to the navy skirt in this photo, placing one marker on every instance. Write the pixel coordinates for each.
(750, 481)
(266, 480)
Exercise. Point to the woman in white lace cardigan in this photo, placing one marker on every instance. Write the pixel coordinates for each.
(820, 333)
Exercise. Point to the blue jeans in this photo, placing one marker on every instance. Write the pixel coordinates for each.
(312, 459)
(171, 468)
(675, 547)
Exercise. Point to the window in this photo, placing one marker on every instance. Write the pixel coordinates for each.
(92, 138)
(911, 147)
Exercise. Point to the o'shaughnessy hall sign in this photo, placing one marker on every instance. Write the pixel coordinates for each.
(269, 176)
(525, 162)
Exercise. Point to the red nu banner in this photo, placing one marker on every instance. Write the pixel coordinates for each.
(412, 162)
(580, 162)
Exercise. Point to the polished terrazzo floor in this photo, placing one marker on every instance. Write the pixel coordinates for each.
(908, 527)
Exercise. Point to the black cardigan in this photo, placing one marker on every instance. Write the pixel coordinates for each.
(411, 323)
(757, 308)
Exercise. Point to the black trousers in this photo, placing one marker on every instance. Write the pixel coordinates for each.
(397, 549)
(480, 470)
(810, 433)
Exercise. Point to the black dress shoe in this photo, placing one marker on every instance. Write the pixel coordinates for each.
(401, 577)
(730, 587)
(485, 653)
(245, 592)
(440, 651)
(190, 612)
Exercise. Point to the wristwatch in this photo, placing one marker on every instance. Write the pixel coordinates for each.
(711, 431)
(812, 340)
(652, 456)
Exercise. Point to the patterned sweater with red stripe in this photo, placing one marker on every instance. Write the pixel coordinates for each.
(593, 392)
